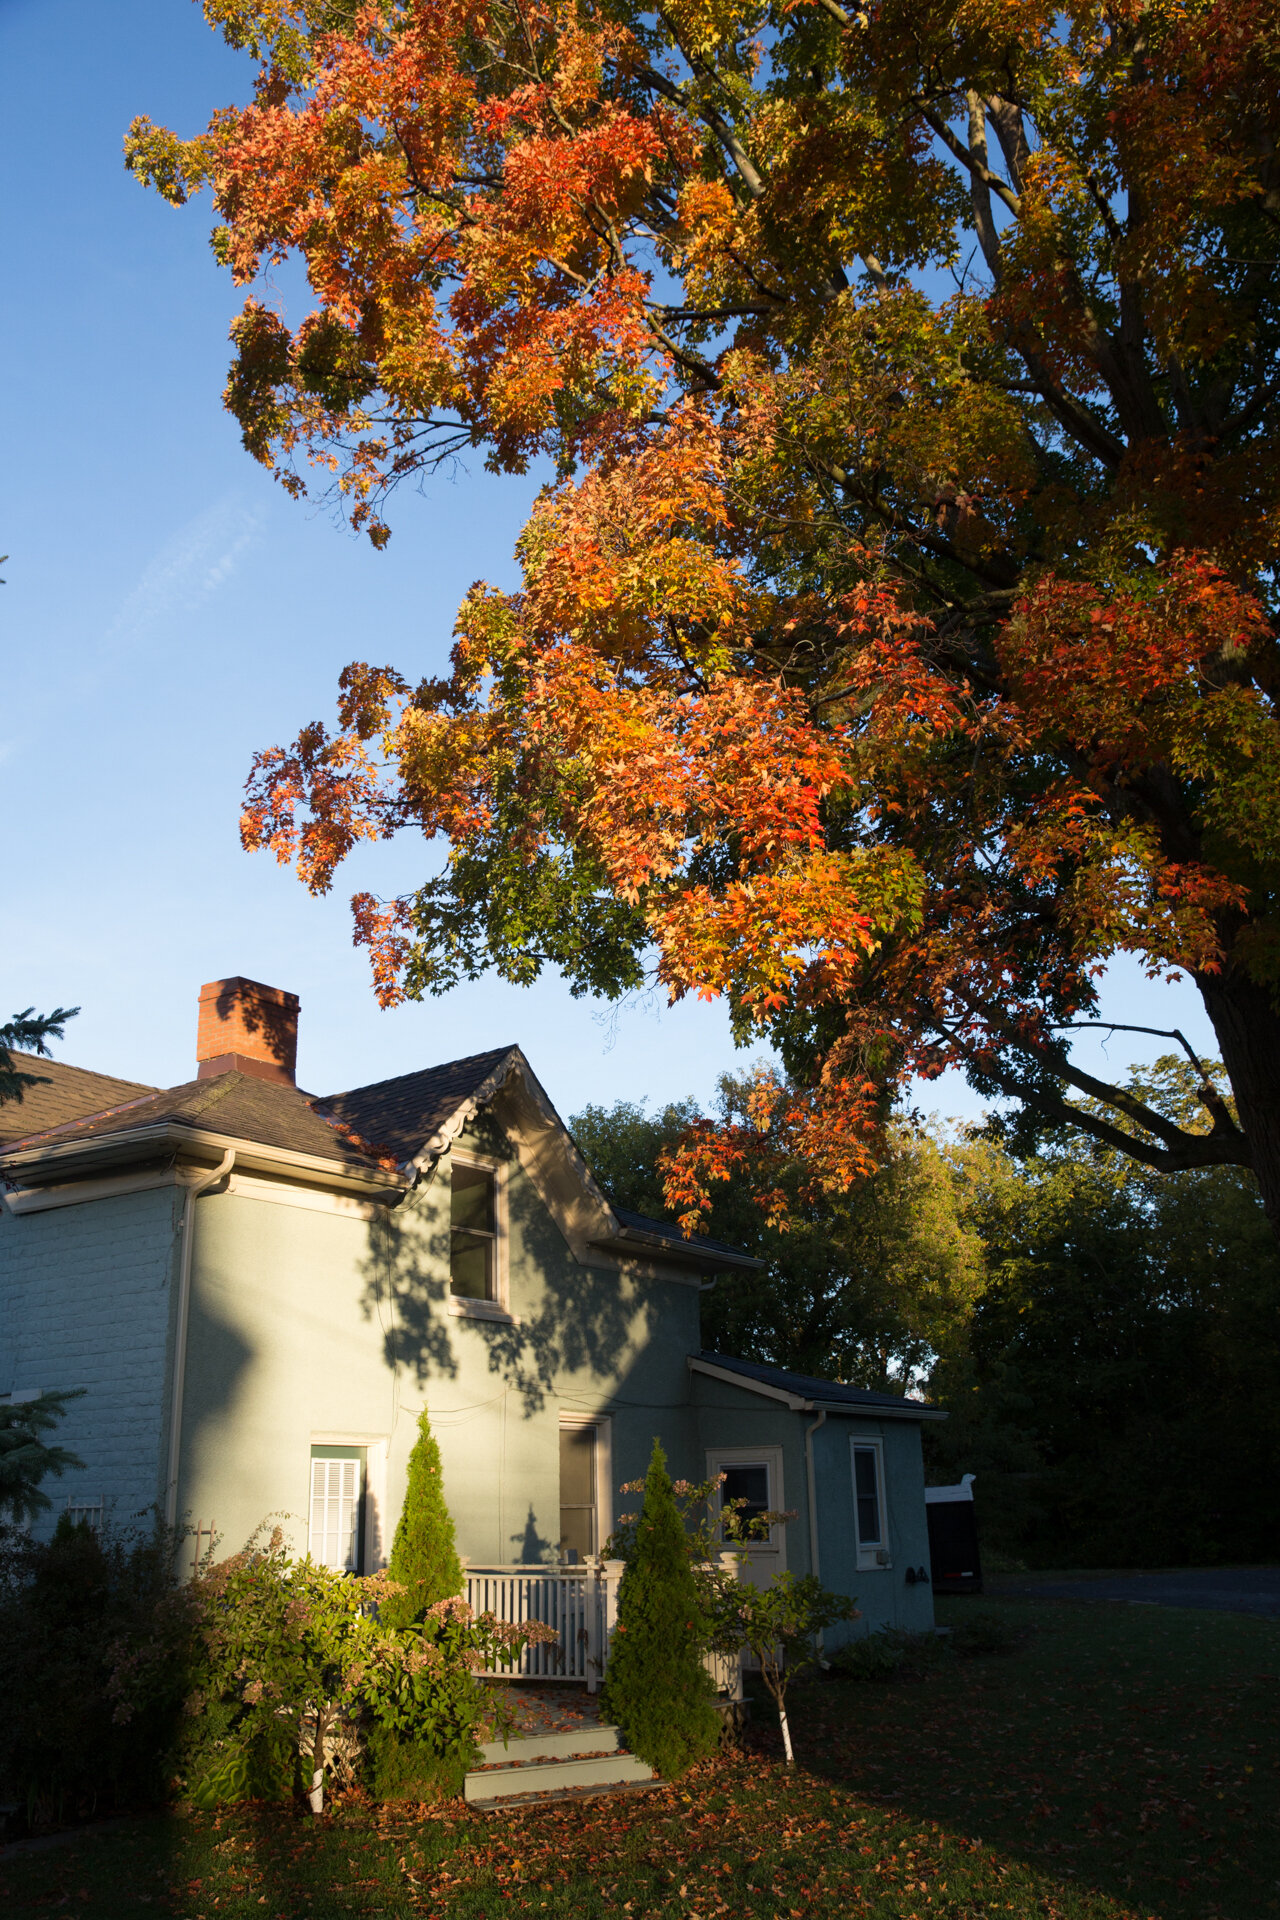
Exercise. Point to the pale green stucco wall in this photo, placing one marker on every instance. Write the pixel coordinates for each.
(732, 1416)
(309, 1323)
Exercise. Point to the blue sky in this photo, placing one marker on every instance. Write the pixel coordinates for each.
(168, 611)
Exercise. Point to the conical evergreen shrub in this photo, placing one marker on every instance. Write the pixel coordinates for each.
(423, 1555)
(656, 1687)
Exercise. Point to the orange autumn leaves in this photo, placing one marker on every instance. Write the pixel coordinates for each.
(892, 644)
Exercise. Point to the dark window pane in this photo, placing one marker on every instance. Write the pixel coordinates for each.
(577, 1466)
(470, 1266)
(473, 1198)
(750, 1484)
(577, 1532)
(867, 1494)
(578, 1491)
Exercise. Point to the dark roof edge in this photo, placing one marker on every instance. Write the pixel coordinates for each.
(882, 1408)
(682, 1252)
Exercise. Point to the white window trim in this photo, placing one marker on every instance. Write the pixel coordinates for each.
(377, 1543)
(603, 1425)
(719, 1458)
(87, 1509)
(871, 1559)
(499, 1308)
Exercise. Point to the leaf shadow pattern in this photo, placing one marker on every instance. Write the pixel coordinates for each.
(406, 1289)
(567, 1319)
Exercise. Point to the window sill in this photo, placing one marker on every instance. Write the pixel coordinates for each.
(464, 1309)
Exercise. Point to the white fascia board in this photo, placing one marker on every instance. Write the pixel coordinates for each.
(800, 1404)
(77, 1193)
(74, 1157)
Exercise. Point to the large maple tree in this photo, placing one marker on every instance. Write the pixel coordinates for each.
(896, 643)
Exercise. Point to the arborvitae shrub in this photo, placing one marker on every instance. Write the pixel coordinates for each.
(656, 1687)
(424, 1556)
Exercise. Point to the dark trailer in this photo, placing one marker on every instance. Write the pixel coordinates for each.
(953, 1538)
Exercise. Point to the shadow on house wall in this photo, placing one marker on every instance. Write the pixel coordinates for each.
(573, 1320)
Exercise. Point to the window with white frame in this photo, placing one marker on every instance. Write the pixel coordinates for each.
(84, 1513)
(585, 1518)
(336, 1533)
(870, 1520)
(752, 1475)
(474, 1247)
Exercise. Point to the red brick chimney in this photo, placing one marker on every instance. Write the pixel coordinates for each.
(247, 1026)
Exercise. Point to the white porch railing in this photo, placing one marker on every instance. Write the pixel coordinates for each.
(581, 1603)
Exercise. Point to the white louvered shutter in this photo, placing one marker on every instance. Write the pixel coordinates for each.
(335, 1514)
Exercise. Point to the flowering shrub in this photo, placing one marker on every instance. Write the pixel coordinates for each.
(291, 1668)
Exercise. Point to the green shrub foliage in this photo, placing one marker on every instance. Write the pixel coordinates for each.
(122, 1687)
(424, 1556)
(294, 1659)
(656, 1688)
(27, 1457)
(74, 1611)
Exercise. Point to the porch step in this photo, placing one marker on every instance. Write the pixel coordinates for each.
(550, 1746)
(558, 1763)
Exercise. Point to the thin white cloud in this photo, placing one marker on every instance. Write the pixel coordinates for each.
(198, 559)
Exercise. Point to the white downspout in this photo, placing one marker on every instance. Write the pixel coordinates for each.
(194, 1189)
(815, 1557)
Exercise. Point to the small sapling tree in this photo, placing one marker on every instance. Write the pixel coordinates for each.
(779, 1624)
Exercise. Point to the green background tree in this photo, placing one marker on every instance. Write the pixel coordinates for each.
(862, 1286)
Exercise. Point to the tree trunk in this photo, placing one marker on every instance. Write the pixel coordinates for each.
(1247, 1024)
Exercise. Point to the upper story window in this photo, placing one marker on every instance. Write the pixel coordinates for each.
(473, 1253)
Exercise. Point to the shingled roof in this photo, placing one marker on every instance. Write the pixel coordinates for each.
(399, 1116)
(665, 1229)
(237, 1105)
(67, 1093)
(814, 1392)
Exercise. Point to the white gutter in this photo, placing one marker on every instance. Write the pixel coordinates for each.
(67, 1158)
(195, 1188)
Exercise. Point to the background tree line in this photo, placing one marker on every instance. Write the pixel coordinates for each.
(1103, 1336)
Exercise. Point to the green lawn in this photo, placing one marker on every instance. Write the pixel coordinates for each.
(1125, 1761)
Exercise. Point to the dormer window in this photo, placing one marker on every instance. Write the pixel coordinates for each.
(473, 1257)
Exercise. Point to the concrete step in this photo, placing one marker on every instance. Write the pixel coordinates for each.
(526, 1802)
(550, 1746)
(595, 1771)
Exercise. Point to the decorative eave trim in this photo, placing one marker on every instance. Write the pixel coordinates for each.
(68, 1159)
(621, 1243)
(800, 1403)
(512, 1065)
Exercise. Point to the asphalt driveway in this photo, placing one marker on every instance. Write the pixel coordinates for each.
(1221, 1589)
